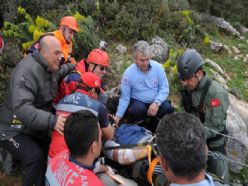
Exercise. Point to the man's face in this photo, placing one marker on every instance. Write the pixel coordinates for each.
(100, 71)
(190, 83)
(53, 55)
(68, 34)
(142, 61)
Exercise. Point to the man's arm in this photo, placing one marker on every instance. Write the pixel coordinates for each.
(216, 113)
(125, 95)
(106, 128)
(23, 89)
(65, 69)
(163, 86)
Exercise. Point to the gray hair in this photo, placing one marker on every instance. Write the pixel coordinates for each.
(142, 47)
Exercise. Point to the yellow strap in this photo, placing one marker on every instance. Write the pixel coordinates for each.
(149, 151)
(151, 170)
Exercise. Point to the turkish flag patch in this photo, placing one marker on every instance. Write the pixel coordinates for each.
(215, 102)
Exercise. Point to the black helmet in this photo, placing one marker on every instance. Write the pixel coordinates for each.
(189, 63)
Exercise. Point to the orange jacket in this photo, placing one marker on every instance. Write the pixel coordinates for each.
(64, 46)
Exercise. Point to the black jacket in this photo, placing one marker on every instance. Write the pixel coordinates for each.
(28, 102)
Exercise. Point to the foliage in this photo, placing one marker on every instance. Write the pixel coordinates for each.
(28, 31)
(86, 39)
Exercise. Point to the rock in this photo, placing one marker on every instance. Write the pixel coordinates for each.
(220, 79)
(245, 59)
(120, 49)
(242, 29)
(227, 49)
(235, 50)
(237, 120)
(215, 65)
(215, 46)
(221, 23)
(159, 49)
(236, 58)
(240, 56)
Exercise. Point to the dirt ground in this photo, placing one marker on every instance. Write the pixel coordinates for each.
(10, 180)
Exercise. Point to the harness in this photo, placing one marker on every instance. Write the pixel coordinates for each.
(201, 109)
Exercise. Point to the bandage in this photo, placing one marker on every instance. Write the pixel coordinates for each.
(125, 156)
(109, 153)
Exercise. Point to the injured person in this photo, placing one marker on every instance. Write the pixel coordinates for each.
(131, 143)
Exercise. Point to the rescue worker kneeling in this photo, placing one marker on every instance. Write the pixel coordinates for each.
(83, 138)
(84, 98)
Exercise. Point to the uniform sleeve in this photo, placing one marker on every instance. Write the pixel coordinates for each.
(65, 69)
(23, 90)
(103, 116)
(125, 95)
(216, 113)
(163, 86)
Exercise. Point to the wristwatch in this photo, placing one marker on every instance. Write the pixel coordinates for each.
(158, 103)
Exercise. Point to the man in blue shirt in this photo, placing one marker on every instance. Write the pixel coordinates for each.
(182, 150)
(144, 89)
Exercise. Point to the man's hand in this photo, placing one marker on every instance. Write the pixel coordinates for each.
(153, 109)
(116, 120)
(59, 126)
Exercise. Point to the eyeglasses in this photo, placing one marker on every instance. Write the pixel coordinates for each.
(103, 68)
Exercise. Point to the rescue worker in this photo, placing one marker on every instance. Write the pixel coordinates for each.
(208, 100)
(182, 150)
(67, 28)
(144, 89)
(26, 116)
(96, 62)
(84, 98)
(83, 138)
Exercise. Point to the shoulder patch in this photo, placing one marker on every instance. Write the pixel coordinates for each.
(214, 102)
(125, 80)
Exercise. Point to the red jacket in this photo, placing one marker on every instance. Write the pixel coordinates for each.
(69, 83)
(61, 171)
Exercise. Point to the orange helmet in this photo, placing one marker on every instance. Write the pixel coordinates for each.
(99, 57)
(69, 21)
(90, 80)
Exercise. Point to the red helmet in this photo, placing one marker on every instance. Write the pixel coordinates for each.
(90, 80)
(99, 57)
(69, 21)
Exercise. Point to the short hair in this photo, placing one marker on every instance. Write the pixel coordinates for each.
(142, 47)
(181, 144)
(81, 130)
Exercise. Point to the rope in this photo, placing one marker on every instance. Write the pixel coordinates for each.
(216, 155)
(225, 135)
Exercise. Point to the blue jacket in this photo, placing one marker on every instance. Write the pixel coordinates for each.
(128, 134)
(144, 86)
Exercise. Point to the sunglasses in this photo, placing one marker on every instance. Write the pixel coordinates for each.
(103, 68)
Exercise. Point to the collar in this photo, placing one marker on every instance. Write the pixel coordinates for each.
(84, 92)
(71, 159)
(149, 68)
(203, 81)
(40, 59)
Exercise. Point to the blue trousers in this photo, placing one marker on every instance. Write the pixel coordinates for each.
(137, 112)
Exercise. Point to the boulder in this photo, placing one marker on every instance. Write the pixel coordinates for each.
(237, 122)
(120, 49)
(159, 49)
(236, 50)
(221, 23)
(229, 51)
(215, 46)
